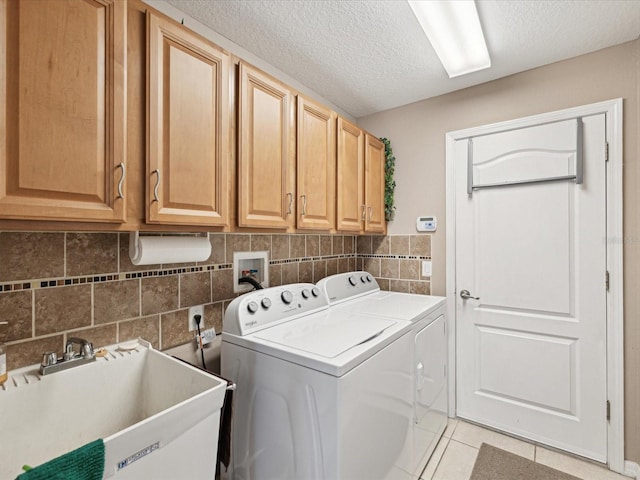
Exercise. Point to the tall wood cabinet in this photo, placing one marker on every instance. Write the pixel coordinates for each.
(62, 110)
(360, 181)
(316, 166)
(374, 160)
(350, 177)
(266, 153)
(187, 127)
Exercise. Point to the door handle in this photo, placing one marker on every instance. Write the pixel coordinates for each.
(419, 376)
(121, 182)
(156, 197)
(290, 195)
(465, 295)
(304, 205)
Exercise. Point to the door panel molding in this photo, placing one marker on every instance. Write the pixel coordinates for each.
(614, 227)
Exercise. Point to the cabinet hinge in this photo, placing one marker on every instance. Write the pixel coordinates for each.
(606, 280)
(606, 151)
(608, 410)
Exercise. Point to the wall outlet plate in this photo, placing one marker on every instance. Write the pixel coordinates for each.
(193, 311)
(426, 268)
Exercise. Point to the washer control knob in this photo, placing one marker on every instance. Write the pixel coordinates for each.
(352, 280)
(305, 293)
(363, 279)
(287, 297)
(369, 279)
(266, 303)
(252, 307)
(315, 291)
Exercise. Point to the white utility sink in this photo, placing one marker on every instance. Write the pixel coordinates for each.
(159, 417)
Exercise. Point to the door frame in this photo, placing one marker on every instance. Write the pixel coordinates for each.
(614, 238)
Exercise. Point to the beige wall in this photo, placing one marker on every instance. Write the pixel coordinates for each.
(417, 134)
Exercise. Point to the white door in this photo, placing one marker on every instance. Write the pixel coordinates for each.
(531, 349)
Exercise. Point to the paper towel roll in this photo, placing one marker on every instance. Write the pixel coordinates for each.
(153, 250)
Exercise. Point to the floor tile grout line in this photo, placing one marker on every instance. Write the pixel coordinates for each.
(435, 470)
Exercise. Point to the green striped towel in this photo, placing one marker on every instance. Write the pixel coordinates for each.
(84, 463)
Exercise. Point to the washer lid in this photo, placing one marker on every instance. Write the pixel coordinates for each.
(327, 335)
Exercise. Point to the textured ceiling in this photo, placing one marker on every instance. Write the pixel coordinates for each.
(366, 56)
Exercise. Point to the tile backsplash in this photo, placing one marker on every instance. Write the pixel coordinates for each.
(58, 285)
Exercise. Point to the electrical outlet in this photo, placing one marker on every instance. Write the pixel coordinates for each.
(193, 311)
(426, 268)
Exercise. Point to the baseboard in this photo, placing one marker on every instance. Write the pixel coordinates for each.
(632, 469)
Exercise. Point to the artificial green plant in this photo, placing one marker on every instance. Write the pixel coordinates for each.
(389, 183)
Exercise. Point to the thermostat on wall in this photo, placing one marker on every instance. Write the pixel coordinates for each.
(426, 224)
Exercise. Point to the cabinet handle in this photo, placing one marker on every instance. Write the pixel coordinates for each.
(121, 182)
(304, 204)
(370, 213)
(362, 217)
(290, 195)
(156, 198)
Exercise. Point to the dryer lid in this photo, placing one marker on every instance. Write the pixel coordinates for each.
(405, 306)
(328, 334)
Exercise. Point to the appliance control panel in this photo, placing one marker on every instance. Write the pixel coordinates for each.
(345, 286)
(258, 309)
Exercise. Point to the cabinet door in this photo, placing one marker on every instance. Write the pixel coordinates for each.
(350, 177)
(187, 127)
(266, 170)
(374, 160)
(316, 166)
(62, 110)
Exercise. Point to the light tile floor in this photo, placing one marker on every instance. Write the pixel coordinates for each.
(456, 453)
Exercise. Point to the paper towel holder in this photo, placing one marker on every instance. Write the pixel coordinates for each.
(136, 255)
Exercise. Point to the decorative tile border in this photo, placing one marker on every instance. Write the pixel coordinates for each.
(311, 259)
(60, 282)
(395, 257)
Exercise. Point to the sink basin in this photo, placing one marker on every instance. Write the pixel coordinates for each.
(159, 417)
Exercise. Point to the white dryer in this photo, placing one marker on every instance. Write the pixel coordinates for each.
(321, 394)
(359, 293)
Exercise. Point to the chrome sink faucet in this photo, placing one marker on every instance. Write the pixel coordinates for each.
(51, 363)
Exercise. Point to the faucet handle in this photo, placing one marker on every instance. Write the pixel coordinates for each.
(49, 358)
(87, 350)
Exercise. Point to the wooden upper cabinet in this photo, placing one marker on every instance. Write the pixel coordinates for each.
(266, 168)
(187, 127)
(350, 178)
(62, 110)
(374, 161)
(316, 166)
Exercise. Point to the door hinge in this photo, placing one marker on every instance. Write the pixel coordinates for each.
(606, 280)
(608, 410)
(606, 151)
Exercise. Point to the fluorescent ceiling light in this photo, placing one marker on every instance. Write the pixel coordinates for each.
(454, 30)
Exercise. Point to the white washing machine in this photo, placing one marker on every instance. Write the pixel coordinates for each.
(321, 393)
(359, 293)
